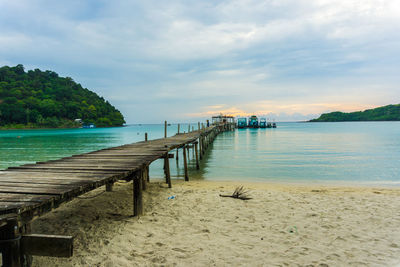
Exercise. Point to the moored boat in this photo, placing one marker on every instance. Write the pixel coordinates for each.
(253, 122)
(242, 122)
(263, 123)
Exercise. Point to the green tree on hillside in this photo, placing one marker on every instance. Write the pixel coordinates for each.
(43, 99)
(385, 113)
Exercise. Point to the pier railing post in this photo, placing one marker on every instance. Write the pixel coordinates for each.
(165, 129)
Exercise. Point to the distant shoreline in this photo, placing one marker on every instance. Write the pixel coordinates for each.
(50, 128)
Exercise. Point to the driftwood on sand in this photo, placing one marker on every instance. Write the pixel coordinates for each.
(239, 193)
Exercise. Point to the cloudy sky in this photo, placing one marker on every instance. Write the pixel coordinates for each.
(185, 60)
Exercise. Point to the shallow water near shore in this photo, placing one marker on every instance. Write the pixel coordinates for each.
(346, 152)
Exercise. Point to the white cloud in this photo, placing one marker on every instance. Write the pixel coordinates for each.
(193, 54)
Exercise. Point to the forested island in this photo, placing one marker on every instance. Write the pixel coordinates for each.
(42, 99)
(385, 113)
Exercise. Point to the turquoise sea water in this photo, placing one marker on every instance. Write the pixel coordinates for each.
(356, 152)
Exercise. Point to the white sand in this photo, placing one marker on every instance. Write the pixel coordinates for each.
(284, 225)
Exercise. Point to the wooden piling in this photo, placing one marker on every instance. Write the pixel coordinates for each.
(145, 137)
(185, 164)
(179, 127)
(197, 156)
(165, 129)
(200, 148)
(137, 195)
(167, 171)
(109, 186)
(148, 173)
(144, 179)
(10, 244)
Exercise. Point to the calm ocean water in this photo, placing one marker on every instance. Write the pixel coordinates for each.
(355, 152)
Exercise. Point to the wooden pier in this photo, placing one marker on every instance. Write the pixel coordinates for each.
(31, 190)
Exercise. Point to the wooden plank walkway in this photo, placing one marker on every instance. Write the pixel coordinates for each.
(31, 190)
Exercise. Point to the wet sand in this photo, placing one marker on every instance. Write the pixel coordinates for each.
(283, 225)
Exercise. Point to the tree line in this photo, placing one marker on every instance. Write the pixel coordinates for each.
(43, 99)
(385, 113)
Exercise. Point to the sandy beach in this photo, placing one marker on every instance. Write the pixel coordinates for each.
(283, 225)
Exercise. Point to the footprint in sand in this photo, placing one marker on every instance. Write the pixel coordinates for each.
(180, 250)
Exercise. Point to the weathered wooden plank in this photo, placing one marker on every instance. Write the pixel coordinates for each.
(8, 207)
(38, 175)
(67, 171)
(100, 161)
(32, 190)
(9, 197)
(42, 185)
(51, 181)
(71, 168)
(47, 245)
(90, 164)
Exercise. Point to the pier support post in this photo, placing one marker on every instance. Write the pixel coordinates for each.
(185, 164)
(145, 137)
(197, 156)
(144, 179)
(165, 129)
(109, 186)
(137, 195)
(167, 170)
(203, 145)
(148, 173)
(10, 246)
(179, 127)
(177, 154)
(200, 148)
